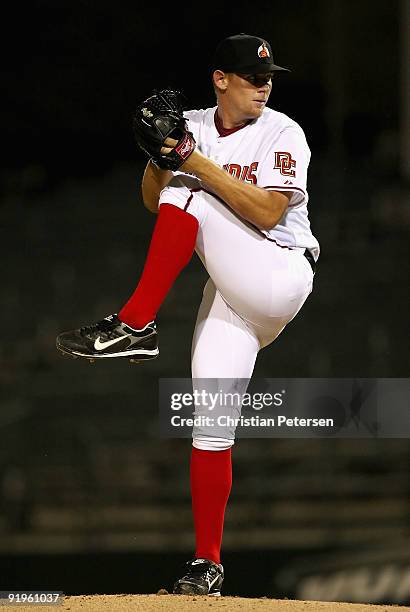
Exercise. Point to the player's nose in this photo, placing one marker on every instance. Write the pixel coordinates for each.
(264, 91)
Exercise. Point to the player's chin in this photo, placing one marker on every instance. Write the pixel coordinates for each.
(258, 108)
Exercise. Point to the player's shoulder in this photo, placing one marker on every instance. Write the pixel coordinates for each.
(201, 115)
(278, 122)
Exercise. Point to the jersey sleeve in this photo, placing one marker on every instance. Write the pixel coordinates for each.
(285, 166)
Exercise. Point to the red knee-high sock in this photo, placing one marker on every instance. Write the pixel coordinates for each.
(172, 244)
(211, 481)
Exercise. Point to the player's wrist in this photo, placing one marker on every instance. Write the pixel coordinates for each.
(195, 162)
(157, 169)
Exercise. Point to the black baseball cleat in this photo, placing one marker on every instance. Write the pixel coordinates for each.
(110, 338)
(202, 577)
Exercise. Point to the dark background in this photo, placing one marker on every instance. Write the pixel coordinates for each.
(91, 500)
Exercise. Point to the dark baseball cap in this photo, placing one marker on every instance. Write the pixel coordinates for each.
(246, 54)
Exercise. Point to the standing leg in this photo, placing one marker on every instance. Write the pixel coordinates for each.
(223, 348)
(211, 481)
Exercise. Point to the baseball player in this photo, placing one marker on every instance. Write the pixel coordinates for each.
(237, 196)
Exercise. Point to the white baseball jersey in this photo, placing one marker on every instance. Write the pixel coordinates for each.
(270, 152)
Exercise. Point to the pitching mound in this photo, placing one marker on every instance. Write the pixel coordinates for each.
(183, 603)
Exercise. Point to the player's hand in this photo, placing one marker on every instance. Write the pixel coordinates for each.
(171, 142)
(189, 164)
(155, 119)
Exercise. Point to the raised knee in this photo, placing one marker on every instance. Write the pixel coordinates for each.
(212, 444)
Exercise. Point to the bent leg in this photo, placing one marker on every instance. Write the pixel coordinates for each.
(172, 245)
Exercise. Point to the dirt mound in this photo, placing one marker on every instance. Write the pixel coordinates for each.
(183, 603)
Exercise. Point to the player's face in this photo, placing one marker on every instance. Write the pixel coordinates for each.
(249, 93)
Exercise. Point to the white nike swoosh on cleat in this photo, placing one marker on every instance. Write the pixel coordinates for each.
(213, 582)
(99, 346)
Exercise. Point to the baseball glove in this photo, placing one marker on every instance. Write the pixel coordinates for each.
(159, 117)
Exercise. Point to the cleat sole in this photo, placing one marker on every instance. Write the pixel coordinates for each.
(190, 589)
(134, 357)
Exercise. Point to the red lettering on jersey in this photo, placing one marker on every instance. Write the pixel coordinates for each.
(285, 163)
(251, 178)
(244, 173)
(235, 170)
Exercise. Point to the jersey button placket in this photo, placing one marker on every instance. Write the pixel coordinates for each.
(217, 150)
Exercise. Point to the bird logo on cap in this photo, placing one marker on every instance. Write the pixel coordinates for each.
(263, 51)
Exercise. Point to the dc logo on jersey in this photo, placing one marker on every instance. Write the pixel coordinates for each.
(285, 163)
(263, 51)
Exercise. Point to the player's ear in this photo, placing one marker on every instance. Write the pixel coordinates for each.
(220, 80)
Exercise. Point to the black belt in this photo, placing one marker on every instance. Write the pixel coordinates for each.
(310, 259)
